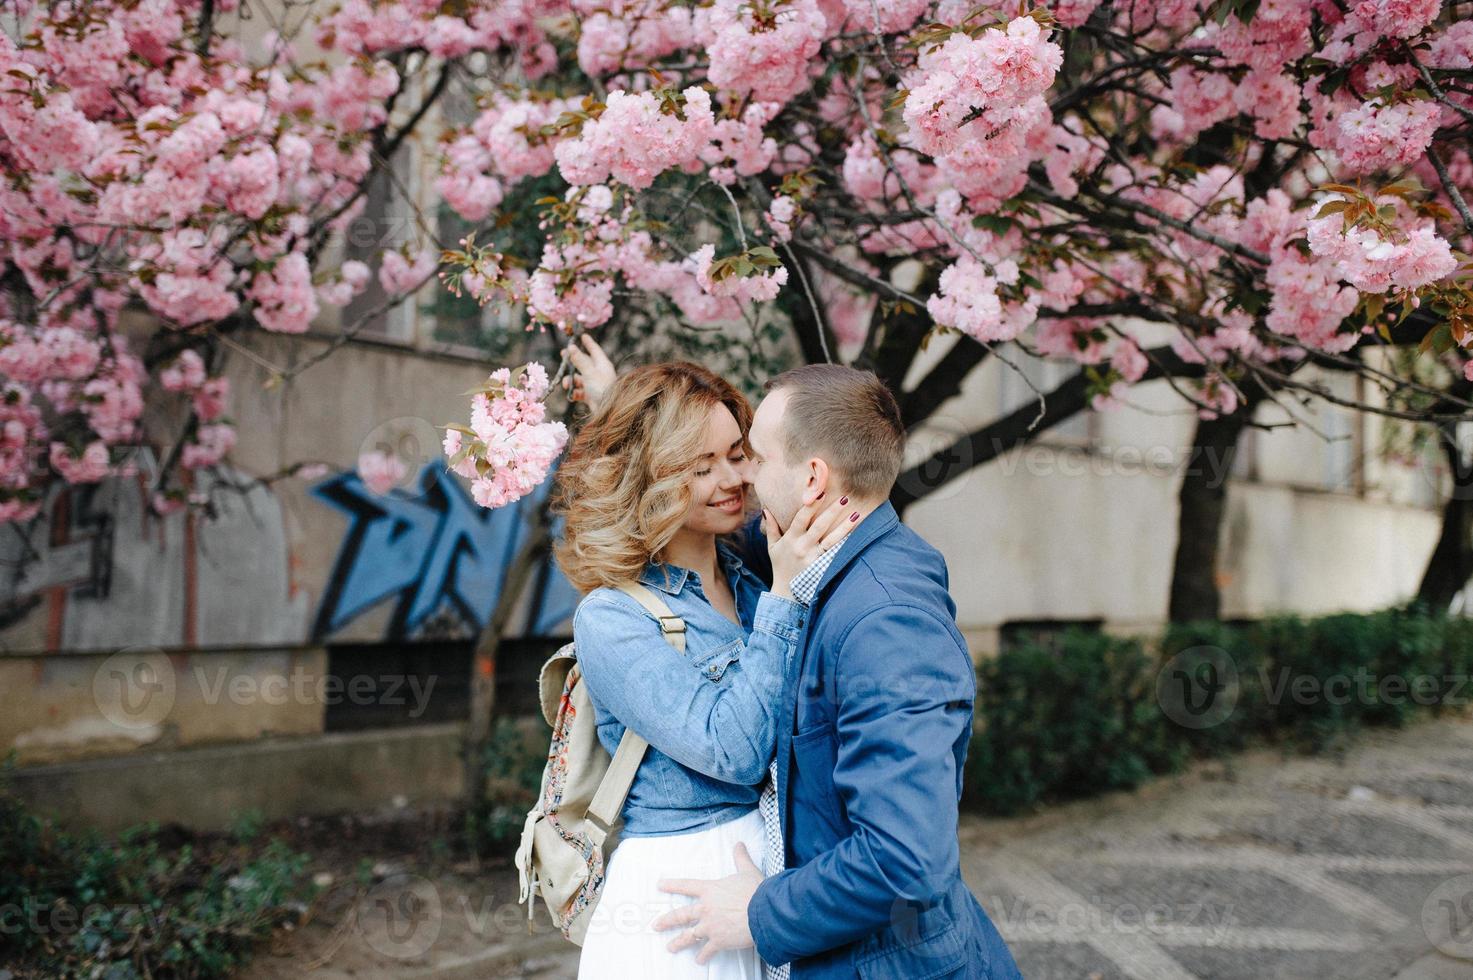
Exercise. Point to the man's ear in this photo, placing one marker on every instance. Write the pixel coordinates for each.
(819, 476)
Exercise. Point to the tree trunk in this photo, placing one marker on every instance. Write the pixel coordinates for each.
(1451, 564)
(483, 661)
(1203, 499)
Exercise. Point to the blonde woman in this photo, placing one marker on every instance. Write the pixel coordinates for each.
(652, 483)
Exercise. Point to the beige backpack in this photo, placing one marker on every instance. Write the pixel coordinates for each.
(576, 820)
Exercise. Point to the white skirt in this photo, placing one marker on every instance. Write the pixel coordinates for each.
(621, 943)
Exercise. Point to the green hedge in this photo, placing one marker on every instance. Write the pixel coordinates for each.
(1090, 712)
(77, 905)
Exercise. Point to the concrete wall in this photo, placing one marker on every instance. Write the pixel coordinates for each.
(208, 788)
(1081, 525)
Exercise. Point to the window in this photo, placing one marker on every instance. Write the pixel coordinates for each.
(386, 221)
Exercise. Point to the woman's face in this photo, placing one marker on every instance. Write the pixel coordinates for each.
(719, 484)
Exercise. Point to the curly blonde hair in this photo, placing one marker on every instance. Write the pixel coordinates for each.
(624, 487)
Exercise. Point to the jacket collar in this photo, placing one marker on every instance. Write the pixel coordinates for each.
(670, 579)
(880, 520)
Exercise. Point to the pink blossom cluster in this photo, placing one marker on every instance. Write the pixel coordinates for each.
(1394, 18)
(22, 432)
(780, 215)
(558, 295)
(740, 147)
(1128, 365)
(510, 446)
(400, 274)
(88, 466)
(361, 27)
(967, 298)
(380, 471)
(1373, 263)
(752, 288)
(1218, 397)
(189, 281)
(351, 280)
(967, 88)
(764, 48)
(886, 16)
(989, 172)
(284, 297)
(1077, 338)
(644, 268)
(186, 373)
(208, 447)
(510, 131)
(1196, 101)
(1376, 137)
(633, 33)
(634, 139)
(464, 182)
(1277, 34)
(45, 354)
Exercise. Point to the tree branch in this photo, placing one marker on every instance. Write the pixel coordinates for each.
(1018, 428)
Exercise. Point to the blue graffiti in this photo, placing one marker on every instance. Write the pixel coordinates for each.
(427, 550)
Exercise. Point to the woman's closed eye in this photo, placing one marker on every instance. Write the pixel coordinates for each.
(739, 457)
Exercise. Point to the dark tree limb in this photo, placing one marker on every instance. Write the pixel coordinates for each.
(942, 382)
(1019, 428)
(1195, 592)
(1450, 565)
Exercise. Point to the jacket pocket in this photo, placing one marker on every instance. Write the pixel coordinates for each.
(713, 663)
(929, 949)
(815, 753)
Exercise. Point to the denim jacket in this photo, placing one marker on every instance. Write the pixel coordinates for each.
(710, 714)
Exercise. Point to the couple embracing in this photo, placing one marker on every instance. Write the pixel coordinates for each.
(795, 813)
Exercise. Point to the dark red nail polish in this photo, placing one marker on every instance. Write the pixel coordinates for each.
(843, 501)
(854, 517)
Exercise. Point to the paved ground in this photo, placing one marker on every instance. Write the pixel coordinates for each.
(1352, 868)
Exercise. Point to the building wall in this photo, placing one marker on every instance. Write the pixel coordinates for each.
(1079, 526)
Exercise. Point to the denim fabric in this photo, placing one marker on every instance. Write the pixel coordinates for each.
(877, 714)
(710, 714)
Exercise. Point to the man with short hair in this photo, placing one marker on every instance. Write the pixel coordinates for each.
(877, 718)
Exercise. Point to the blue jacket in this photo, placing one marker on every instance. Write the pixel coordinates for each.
(877, 713)
(710, 715)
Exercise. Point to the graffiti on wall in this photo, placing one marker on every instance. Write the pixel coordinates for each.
(436, 556)
(96, 570)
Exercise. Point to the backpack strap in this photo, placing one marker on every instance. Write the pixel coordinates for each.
(670, 624)
(613, 789)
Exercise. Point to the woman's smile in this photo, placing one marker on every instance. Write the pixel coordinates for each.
(728, 505)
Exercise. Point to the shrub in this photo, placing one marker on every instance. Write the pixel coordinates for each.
(512, 765)
(135, 907)
(1097, 713)
(1070, 721)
